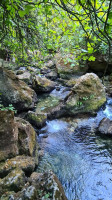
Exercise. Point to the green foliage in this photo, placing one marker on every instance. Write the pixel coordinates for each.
(10, 107)
(81, 100)
(77, 27)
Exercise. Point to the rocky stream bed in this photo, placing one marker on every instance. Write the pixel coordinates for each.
(58, 144)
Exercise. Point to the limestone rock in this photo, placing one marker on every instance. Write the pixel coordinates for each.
(26, 163)
(51, 106)
(49, 185)
(8, 135)
(52, 75)
(67, 66)
(42, 84)
(38, 120)
(15, 92)
(27, 143)
(88, 95)
(8, 195)
(98, 66)
(26, 77)
(105, 127)
(14, 181)
(28, 192)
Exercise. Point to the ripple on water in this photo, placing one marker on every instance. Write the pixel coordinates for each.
(81, 159)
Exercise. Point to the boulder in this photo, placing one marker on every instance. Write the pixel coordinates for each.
(38, 120)
(8, 195)
(88, 94)
(52, 75)
(26, 163)
(105, 127)
(67, 67)
(42, 84)
(26, 77)
(51, 106)
(29, 192)
(15, 92)
(38, 186)
(8, 135)
(61, 93)
(98, 66)
(49, 185)
(27, 143)
(72, 81)
(14, 181)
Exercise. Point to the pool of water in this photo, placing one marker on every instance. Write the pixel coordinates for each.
(81, 159)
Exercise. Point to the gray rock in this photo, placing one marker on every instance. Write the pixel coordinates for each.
(105, 127)
(15, 92)
(42, 84)
(38, 120)
(88, 94)
(8, 135)
(14, 181)
(27, 143)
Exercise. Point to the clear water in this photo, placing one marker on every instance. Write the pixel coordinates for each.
(81, 160)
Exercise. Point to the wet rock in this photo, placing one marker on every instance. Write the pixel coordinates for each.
(8, 135)
(26, 163)
(51, 106)
(27, 143)
(15, 92)
(26, 77)
(67, 66)
(14, 181)
(9, 195)
(42, 84)
(61, 93)
(88, 95)
(105, 127)
(38, 120)
(72, 82)
(49, 185)
(50, 64)
(19, 72)
(52, 75)
(28, 192)
(108, 84)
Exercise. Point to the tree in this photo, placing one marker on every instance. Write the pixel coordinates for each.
(95, 18)
(31, 24)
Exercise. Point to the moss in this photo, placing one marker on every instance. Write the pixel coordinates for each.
(74, 105)
(46, 105)
(26, 163)
(8, 195)
(95, 104)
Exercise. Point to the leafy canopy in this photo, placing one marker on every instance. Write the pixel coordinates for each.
(56, 24)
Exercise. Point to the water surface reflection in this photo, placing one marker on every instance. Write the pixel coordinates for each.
(81, 159)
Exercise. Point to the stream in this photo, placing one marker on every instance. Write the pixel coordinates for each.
(81, 159)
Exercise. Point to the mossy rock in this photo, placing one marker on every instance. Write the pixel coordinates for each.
(27, 142)
(88, 95)
(67, 66)
(14, 181)
(42, 84)
(51, 106)
(38, 120)
(15, 91)
(26, 163)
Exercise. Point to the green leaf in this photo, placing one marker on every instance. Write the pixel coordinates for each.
(22, 13)
(91, 58)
